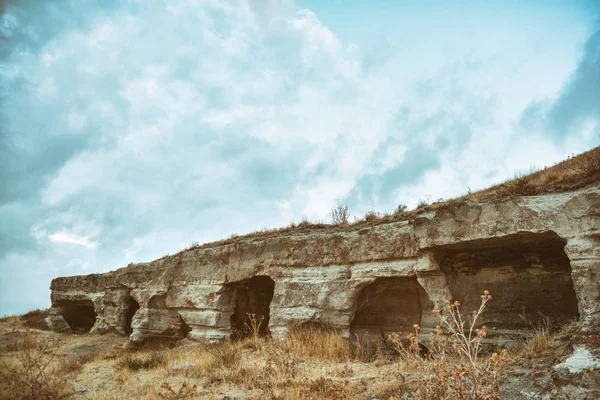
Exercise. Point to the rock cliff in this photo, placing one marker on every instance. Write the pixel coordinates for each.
(537, 255)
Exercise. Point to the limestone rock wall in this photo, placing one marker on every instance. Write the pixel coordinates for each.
(537, 255)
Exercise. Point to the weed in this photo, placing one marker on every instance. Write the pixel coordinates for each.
(469, 377)
(401, 208)
(465, 337)
(186, 391)
(422, 203)
(193, 244)
(33, 374)
(304, 223)
(142, 361)
(253, 327)
(372, 216)
(339, 214)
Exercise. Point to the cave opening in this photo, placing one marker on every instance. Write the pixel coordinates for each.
(79, 314)
(389, 305)
(131, 307)
(252, 306)
(527, 274)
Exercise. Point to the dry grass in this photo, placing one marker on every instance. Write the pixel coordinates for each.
(34, 371)
(313, 362)
(317, 343)
(340, 214)
(35, 319)
(142, 360)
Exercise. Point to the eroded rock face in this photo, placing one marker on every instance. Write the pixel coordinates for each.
(537, 255)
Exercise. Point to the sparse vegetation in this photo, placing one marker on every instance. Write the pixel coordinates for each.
(340, 214)
(455, 369)
(35, 319)
(32, 372)
(422, 203)
(312, 362)
(371, 216)
(193, 244)
(185, 391)
(313, 342)
(571, 174)
(402, 208)
(304, 223)
(142, 360)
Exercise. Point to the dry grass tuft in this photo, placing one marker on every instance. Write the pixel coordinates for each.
(371, 216)
(317, 343)
(142, 361)
(74, 363)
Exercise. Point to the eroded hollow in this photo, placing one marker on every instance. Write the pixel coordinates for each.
(252, 306)
(79, 314)
(389, 305)
(131, 306)
(528, 275)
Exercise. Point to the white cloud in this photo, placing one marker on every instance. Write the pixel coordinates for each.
(69, 237)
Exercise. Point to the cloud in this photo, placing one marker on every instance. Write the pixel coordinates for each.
(579, 101)
(130, 129)
(577, 108)
(68, 237)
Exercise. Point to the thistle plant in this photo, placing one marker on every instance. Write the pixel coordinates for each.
(465, 337)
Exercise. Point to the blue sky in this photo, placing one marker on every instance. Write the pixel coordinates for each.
(129, 129)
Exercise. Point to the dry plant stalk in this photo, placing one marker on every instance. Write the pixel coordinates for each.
(465, 337)
(35, 374)
(253, 326)
(186, 391)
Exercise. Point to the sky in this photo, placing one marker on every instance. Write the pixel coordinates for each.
(130, 129)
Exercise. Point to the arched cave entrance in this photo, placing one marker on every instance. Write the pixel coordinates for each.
(527, 274)
(79, 314)
(252, 296)
(131, 306)
(389, 305)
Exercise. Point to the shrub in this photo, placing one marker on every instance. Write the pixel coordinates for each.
(372, 216)
(401, 208)
(34, 374)
(142, 361)
(422, 203)
(304, 223)
(339, 214)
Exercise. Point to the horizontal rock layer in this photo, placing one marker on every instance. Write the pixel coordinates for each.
(538, 255)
